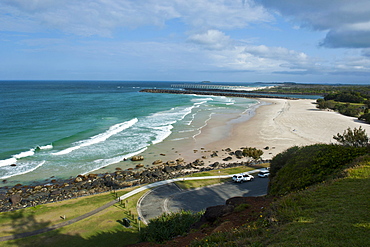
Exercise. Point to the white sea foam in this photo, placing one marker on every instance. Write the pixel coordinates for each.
(46, 147)
(106, 162)
(8, 162)
(162, 133)
(23, 170)
(201, 127)
(113, 130)
(16, 157)
(25, 154)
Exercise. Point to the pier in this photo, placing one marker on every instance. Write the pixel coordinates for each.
(209, 87)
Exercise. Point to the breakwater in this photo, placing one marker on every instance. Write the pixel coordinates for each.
(227, 93)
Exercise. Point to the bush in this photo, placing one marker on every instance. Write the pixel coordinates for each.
(299, 167)
(365, 117)
(252, 152)
(354, 138)
(167, 226)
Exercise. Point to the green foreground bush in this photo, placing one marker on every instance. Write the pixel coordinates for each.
(167, 226)
(299, 167)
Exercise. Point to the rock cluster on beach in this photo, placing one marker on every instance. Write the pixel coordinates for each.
(26, 196)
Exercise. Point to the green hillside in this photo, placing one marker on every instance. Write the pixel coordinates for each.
(331, 209)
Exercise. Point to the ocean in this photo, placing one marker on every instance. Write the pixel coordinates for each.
(60, 129)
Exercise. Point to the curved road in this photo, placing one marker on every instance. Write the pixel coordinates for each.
(170, 198)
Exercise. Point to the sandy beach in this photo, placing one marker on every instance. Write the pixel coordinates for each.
(276, 123)
(286, 123)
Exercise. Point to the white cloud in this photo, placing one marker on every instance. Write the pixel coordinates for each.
(347, 22)
(212, 39)
(103, 17)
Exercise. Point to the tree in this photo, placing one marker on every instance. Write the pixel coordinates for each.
(353, 138)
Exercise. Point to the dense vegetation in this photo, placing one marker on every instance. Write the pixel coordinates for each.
(354, 104)
(317, 89)
(170, 225)
(353, 101)
(300, 167)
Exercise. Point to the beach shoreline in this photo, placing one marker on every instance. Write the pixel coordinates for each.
(272, 125)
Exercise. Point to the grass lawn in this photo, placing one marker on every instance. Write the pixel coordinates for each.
(100, 229)
(333, 214)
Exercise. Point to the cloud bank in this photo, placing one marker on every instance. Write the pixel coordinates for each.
(347, 23)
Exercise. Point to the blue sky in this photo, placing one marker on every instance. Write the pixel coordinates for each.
(186, 40)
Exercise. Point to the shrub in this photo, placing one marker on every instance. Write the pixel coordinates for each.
(252, 152)
(354, 138)
(170, 225)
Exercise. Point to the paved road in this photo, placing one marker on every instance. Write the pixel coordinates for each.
(169, 198)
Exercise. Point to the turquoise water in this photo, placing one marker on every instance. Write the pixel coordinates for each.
(68, 128)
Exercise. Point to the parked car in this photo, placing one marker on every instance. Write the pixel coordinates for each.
(264, 174)
(242, 177)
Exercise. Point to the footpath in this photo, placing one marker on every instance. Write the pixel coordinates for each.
(121, 198)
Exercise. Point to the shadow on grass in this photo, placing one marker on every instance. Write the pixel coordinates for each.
(24, 234)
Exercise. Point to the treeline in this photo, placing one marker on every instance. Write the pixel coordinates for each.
(353, 104)
(317, 89)
(349, 100)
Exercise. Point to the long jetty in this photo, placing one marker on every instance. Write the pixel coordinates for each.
(226, 93)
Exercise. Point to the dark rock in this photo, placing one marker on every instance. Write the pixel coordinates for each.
(13, 165)
(168, 169)
(235, 201)
(198, 162)
(227, 158)
(157, 162)
(139, 165)
(214, 154)
(213, 213)
(2, 197)
(239, 154)
(55, 193)
(171, 163)
(137, 158)
(15, 199)
(216, 164)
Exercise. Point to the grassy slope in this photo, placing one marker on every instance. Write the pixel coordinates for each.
(334, 213)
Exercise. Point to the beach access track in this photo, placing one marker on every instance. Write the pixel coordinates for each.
(121, 198)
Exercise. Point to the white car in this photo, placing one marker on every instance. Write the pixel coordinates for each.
(264, 174)
(242, 177)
